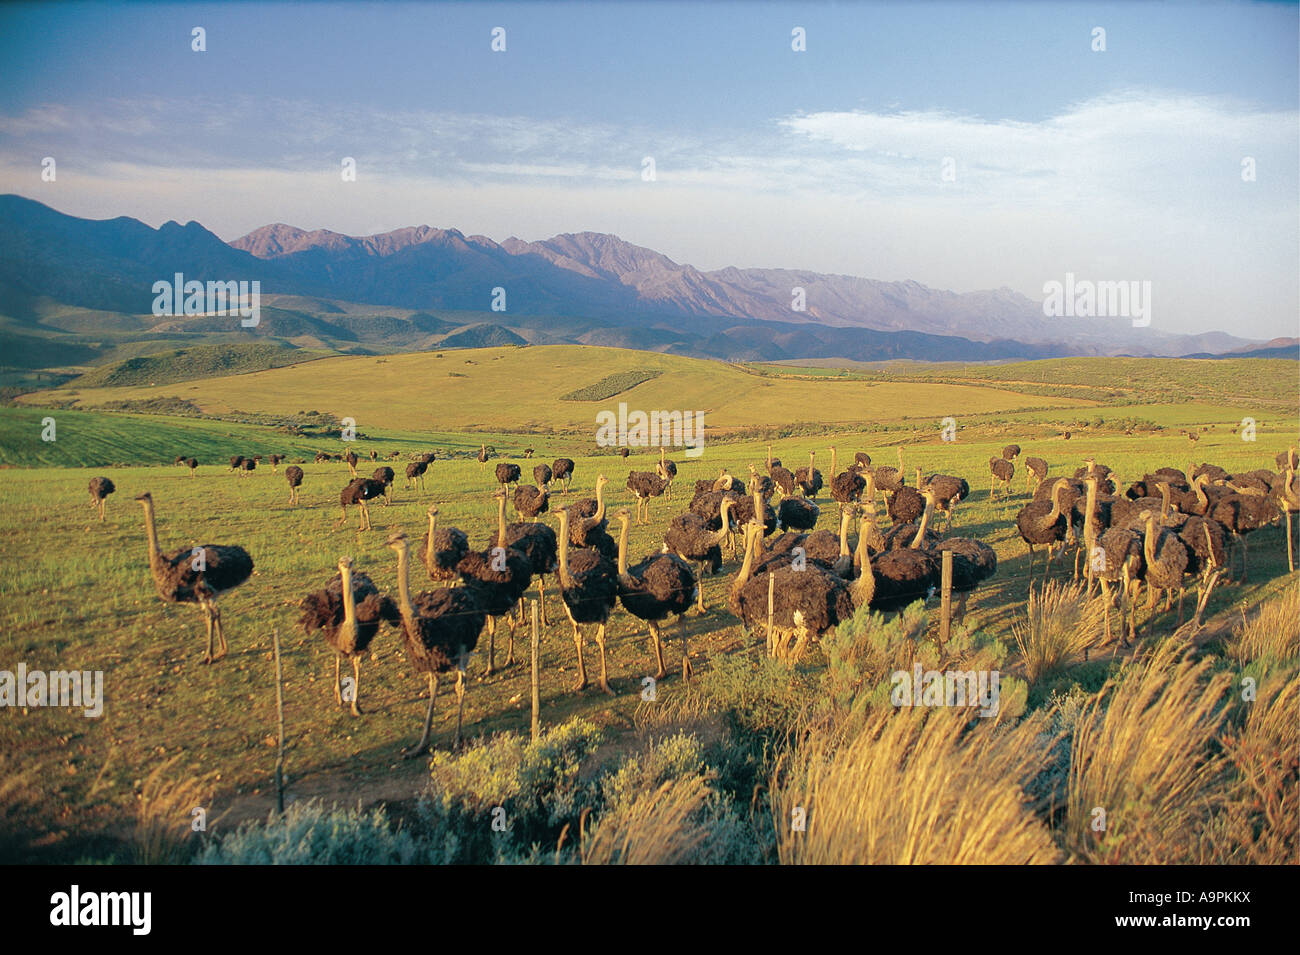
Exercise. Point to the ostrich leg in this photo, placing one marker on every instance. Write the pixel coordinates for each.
(356, 686)
(460, 703)
(492, 646)
(423, 745)
(604, 670)
(1105, 593)
(207, 611)
(582, 669)
(1290, 547)
(541, 598)
(510, 652)
(659, 650)
(221, 632)
(338, 689)
(1205, 597)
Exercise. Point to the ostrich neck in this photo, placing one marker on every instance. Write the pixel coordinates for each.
(726, 520)
(429, 560)
(860, 556)
(844, 533)
(403, 585)
(600, 503)
(769, 457)
(925, 520)
(833, 460)
(349, 601)
(1164, 498)
(1054, 514)
(864, 587)
(622, 546)
(1201, 500)
(747, 566)
(1149, 544)
(151, 534)
(563, 556)
(1089, 521)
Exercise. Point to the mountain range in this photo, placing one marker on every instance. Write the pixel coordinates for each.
(424, 287)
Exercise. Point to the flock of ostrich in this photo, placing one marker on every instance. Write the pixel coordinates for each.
(1167, 530)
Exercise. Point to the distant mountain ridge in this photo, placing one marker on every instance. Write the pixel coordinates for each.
(586, 287)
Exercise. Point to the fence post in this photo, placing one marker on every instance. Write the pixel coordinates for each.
(945, 605)
(771, 596)
(537, 705)
(279, 716)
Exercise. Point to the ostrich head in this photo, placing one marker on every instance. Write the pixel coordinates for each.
(146, 498)
(345, 563)
(396, 540)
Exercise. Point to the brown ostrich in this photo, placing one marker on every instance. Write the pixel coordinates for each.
(587, 523)
(645, 485)
(690, 537)
(537, 542)
(385, 476)
(666, 470)
(358, 492)
(1043, 523)
(508, 473)
(542, 474)
(195, 574)
(1035, 471)
(275, 462)
(589, 589)
(293, 474)
(949, 491)
(500, 575)
(762, 483)
(562, 471)
(531, 502)
(1001, 469)
(888, 480)
(247, 466)
(782, 477)
(415, 473)
(191, 463)
(655, 588)
(861, 460)
(482, 456)
(528, 452)
(809, 479)
(1165, 557)
(351, 459)
(236, 462)
(100, 489)
(846, 488)
(348, 612)
(1011, 452)
(624, 453)
(441, 629)
(450, 545)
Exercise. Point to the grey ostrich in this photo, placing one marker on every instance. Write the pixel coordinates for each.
(809, 479)
(196, 574)
(690, 537)
(500, 575)
(348, 612)
(846, 488)
(508, 473)
(1035, 471)
(589, 589)
(1001, 469)
(442, 550)
(1043, 523)
(531, 502)
(655, 588)
(293, 474)
(100, 489)
(645, 485)
(542, 474)
(782, 477)
(562, 471)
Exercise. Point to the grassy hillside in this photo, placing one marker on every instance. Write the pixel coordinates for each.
(201, 361)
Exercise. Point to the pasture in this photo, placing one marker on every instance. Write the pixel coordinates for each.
(76, 594)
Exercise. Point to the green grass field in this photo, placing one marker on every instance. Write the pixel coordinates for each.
(77, 594)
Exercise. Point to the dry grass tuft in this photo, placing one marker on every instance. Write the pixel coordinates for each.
(1061, 622)
(163, 833)
(914, 787)
(657, 828)
(1142, 753)
(1272, 633)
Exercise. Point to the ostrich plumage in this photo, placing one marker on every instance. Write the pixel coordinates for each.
(508, 473)
(538, 543)
(948, 490)
(100, 489)
(500, 574)
(645, 485)
(667, 470)
(1213, 473)
(385, 476)
(482, 456)
(441, 629)
(177, 579)
(236, 462)
(587, 516)
(450, 546)
(531, 502)
(415, 473)
(1035, 471)
(1011, 452)
(905, 505)
(348, 612)
(824, 548)
(275, 462)
(782, 477)
(589, 589)
(690, 537)
(862, 460)
(1001, 469)
(562, 471)
(796, 513)
(293, 475)
(358, 492)
(542, 474)
(191, 463)
(655, 588)
(809, 479)
(889, 479)
(1165, 557)
(762, 483)
(351, 459)
(247, 466)
(1043, 523)
(752, 507)
(846, 486)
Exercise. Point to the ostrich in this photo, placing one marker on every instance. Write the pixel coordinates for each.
(781, 477)
(753, 508)
(247, 466)
(1040, 522)
(805, 602)
(690, 538)
(562, 471)
(1239, 513)
(385, 476)
(905, 506)
(415, 473)
(528, 452)
(236, 462)
(530, 501)
(654, 589)
(1035, 470)
(191, 463)
(846, 488)
(589, 588)
(725, 482)
(358, 492)
(861, 460)
(820, 547)
(888, 480)
(542, 475)
(100, 489)
(667, 470)
(1001, 469)
(587, 524)
(321, 458)
(795, 513)
(1213, 473)
(450, 546)
(973, 562)
(482, 456)
(1166, 560)
(1011, 452)
(761, 482)
(500, 574)
(809, 479)
(275, 462)
(537, 542)
(441, 629)
(949, 491)
(293, 474)
(351, 459)
(348, 611)
(1289, 502)
(645, 485)
(195, 574)
(624, 453)
(508, 473)
(374, 455)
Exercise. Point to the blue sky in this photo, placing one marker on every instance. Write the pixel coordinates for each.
(1112, 165)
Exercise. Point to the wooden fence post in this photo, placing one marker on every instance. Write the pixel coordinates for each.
(279, 716)
(945, 605)
(771, 596)
(537, 704)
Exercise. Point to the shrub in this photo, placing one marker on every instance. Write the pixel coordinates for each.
(309, 834)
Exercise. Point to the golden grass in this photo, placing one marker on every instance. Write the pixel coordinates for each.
(914, 787)
(1142, 754)
(1061, 621)
(164, 819)
(1273, 632)
(657, 828)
